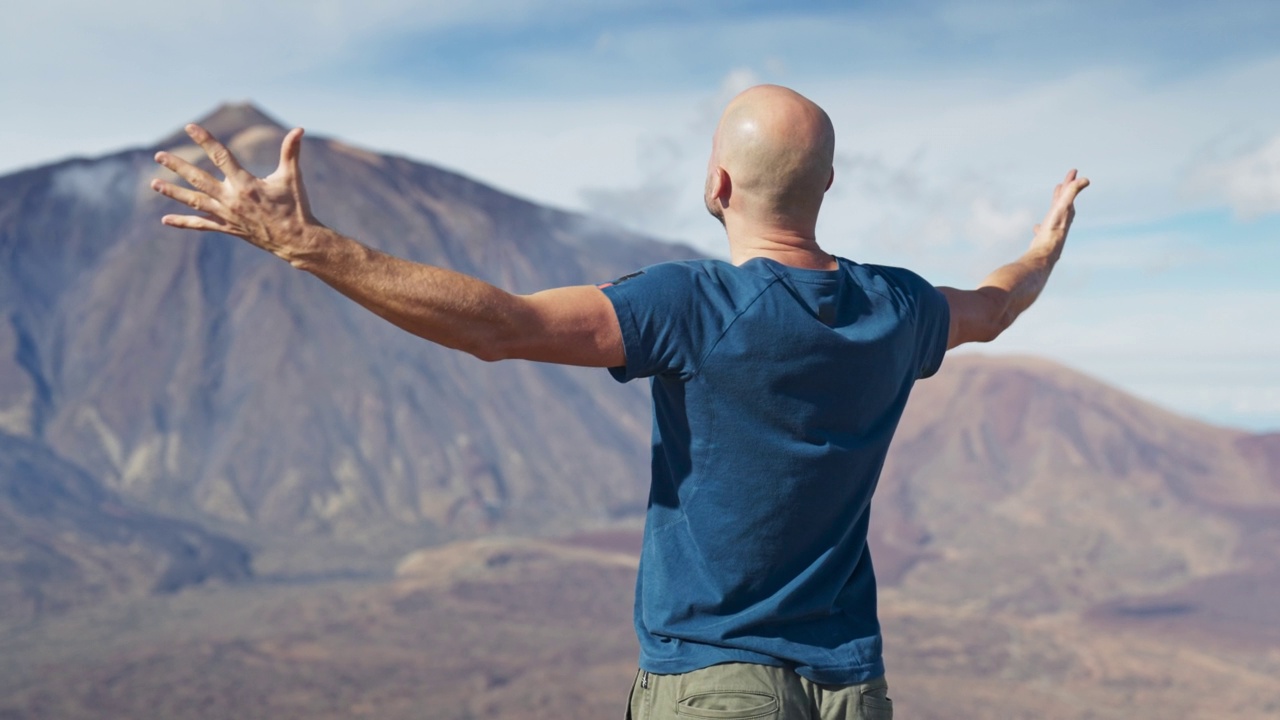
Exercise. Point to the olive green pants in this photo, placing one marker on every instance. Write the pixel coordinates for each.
(738, 691)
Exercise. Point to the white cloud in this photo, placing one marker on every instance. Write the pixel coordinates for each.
(666, 201)
(943, 179)
(83, 77)
(736, 81)
(1210, 356)
(901, 213)
(304, 28)
(1249, 182)
(989, 226)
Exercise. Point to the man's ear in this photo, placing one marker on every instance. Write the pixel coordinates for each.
(830, 180)
(721, 186)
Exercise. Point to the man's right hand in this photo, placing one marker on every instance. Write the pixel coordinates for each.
(1062, 210)
(981, 315)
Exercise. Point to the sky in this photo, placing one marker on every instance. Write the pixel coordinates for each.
(954, 120)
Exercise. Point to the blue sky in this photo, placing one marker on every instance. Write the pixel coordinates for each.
(954, 120)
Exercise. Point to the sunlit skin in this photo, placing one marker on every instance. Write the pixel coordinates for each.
(570, 325)
(770, 167)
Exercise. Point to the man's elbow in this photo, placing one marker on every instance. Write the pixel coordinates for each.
(981, 329)
(975, 333)
(491, 349)
(486, 346)
(995, 327)
(489, 354)
(998, 316)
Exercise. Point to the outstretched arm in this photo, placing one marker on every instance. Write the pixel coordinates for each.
(981, 315)
(570, 325)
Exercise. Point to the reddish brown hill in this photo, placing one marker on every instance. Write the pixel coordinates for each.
(1020, 484)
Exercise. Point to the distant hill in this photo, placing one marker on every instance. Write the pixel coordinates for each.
(1023, 486)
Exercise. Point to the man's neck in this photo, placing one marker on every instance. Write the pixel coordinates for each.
(791, 250)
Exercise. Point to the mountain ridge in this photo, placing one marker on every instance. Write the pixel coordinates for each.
(202, 379)
(225, 121)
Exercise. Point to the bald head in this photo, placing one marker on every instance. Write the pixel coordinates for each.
(774, 149)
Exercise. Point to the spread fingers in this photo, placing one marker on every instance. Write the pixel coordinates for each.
(194, 176)
(192, 222)
(218, 153)
(193, 199)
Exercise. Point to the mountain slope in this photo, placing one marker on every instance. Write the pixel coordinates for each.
(201, 377)
(1020, 485)
(65, 541)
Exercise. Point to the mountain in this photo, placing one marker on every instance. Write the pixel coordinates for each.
(201, 378)
(1046, 490)
(66, 541)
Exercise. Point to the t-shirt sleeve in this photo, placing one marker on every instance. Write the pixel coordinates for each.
(932, 319)
(659, 320)
(933, 327)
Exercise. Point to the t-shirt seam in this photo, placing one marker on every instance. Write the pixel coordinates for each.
(887, 273)
(916, 301)
(825, 281)
(944, 329)
(705, 356)
(630, 334)
(835, 278)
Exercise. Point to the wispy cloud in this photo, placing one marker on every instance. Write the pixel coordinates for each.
(666, 201)
(1248, 181)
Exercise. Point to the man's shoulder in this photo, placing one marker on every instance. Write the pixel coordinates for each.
(668, 270)
(891, 271)
(888, 277)
(696, 275)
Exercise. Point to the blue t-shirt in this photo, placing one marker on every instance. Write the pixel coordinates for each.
(776, 391)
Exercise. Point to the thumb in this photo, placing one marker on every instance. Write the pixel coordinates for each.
(291, 151)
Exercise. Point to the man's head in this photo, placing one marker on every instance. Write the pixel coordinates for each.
(771, 159)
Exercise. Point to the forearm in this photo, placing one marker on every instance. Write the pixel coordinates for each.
(1015, 286)
(981, 315)
(443, 306)
(569, 325)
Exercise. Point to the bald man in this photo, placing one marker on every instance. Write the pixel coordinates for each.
(778, 379)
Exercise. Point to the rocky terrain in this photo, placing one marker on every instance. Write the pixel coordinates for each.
(198, 378)
(66, 541)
